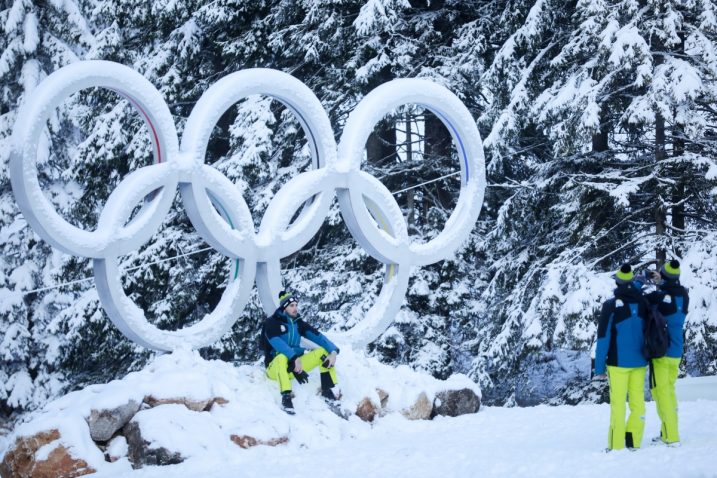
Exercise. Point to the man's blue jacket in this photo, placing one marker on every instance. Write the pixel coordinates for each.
(620, 330)
(673, 301)
(282, 334)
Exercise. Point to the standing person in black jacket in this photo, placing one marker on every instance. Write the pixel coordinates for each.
(284, 357)
(619, 350)
(672, 300)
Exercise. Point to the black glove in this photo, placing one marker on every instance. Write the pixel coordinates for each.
(301, 377)
(328, 360)
(292, 363)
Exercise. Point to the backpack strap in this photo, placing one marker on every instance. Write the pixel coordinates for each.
(653, 381)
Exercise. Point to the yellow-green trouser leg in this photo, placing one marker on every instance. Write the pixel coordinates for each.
(277, 369)
(312, 359)
(626, 383)
(663, 392)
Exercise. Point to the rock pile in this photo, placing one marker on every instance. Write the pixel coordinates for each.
(116, 433)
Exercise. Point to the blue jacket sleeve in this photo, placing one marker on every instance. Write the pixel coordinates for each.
(281, 347)
(317, 337)
(640, 280)
(322, 340)
(603, 337)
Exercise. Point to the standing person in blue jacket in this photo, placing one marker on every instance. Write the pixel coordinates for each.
(619, 350)
(672, 300)
(284, 357)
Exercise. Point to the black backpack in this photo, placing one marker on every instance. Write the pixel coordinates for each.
(264, 345)
(656, 335)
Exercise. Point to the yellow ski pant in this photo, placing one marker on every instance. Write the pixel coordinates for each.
(626, 383)
(662, 386)
(277, 369)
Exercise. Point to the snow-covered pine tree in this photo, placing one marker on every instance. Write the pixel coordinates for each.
(438, 321)
(675, 112)
(183, 48)
(519, 234)
(592, 190)
(111, 141)
(313, 40)
(38, 37)
(567, 96)
(344, 51)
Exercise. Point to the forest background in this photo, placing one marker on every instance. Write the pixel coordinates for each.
(599, 121)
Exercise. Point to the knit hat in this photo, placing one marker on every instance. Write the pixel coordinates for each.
(670, 270)
(286, 298)
(624, 274)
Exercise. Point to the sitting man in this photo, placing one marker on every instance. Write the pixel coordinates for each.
(286, 359)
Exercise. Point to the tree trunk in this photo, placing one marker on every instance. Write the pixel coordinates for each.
(678, 191)
(660, 214)
(437, 138)
(438, 144)
(410, 203)
(600, 139)
(381, 144)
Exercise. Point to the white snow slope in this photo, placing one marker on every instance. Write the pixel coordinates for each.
(532, 442)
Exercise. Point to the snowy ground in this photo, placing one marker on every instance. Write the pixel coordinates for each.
(532, 442)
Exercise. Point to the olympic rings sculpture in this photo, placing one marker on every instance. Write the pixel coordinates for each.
(219, 212)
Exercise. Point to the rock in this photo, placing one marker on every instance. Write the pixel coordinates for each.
(20, 461)
(194, 405)
(60, 464)
(216, 400)
(455, 402)
(140, 454)
(366, 410)
(116, 449)
(276, 441)
(420, 410)
(383, 396)
(246, 441)
(104, 423)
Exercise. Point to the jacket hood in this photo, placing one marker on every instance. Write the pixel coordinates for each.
(672, 287)
(628, 292)
(284, 316)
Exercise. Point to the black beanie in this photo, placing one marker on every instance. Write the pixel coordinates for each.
(624, 274)
(286, 298)
(670, 270)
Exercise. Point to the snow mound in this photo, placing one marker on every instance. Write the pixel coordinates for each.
(240, 401)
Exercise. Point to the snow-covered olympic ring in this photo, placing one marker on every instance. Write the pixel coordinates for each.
(219, 212)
